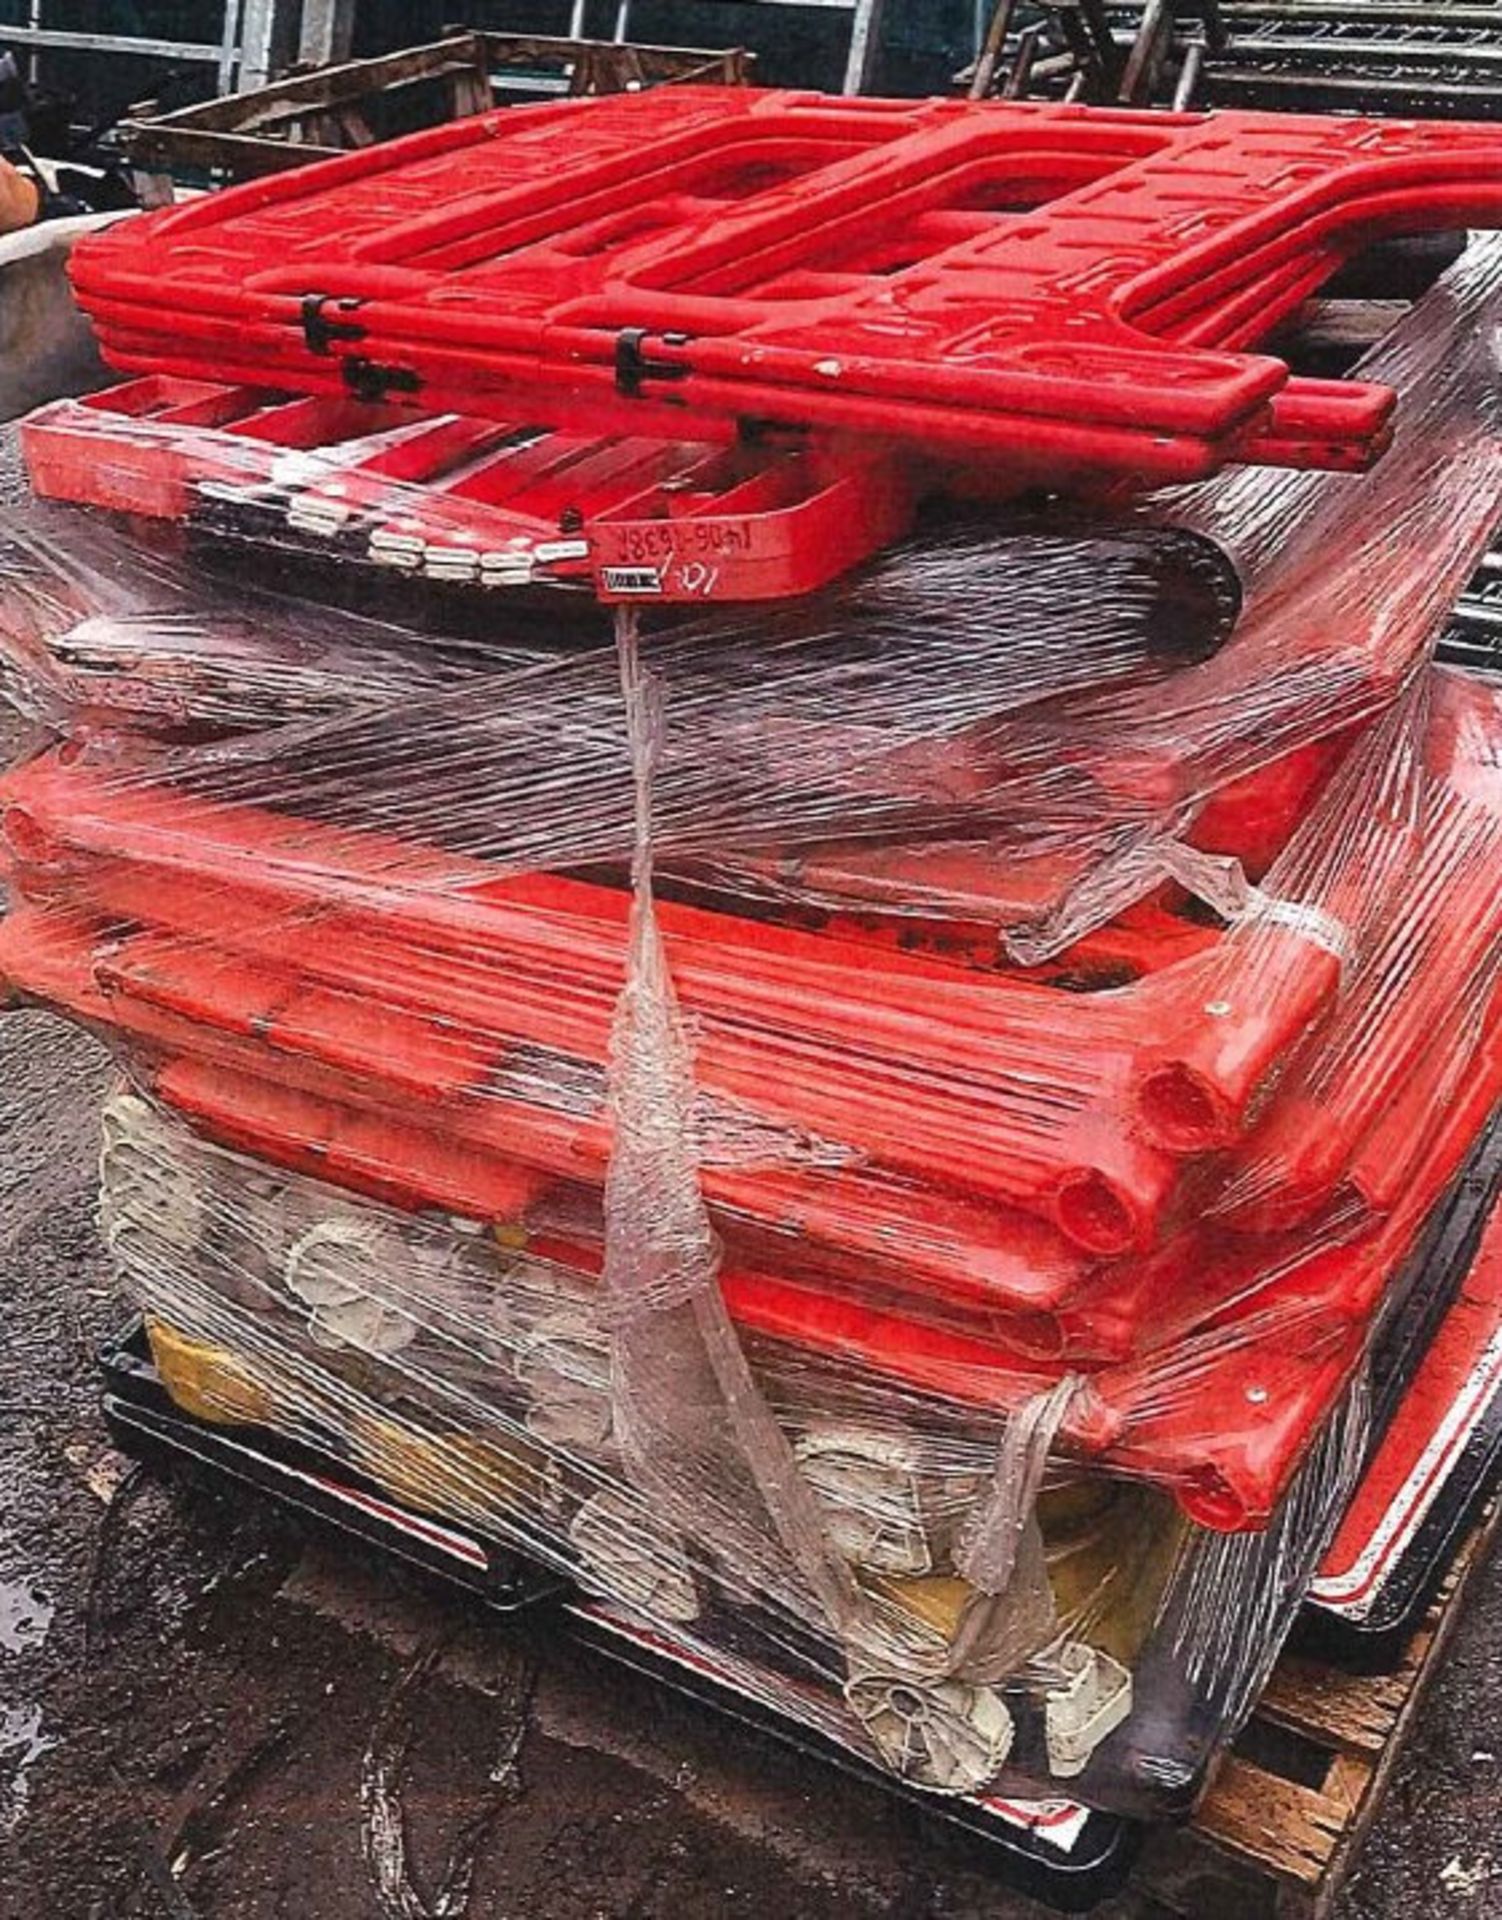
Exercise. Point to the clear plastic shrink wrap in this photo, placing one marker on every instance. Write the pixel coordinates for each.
(1016, 729)
(879, 1137)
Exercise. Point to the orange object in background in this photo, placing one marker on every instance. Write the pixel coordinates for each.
(20, 199)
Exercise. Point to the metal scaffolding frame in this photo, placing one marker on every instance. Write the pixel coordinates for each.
(242, 57)
(1409, 56)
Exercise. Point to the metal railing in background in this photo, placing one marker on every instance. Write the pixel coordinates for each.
(259, 38)
(243, 56)
(865, 30)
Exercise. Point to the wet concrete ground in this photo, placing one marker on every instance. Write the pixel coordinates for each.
(207, 1715)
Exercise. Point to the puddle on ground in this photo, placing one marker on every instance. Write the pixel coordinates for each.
(22, 1744)
(25, 1615)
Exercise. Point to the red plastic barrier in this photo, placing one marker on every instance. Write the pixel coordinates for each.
(1046, 1072)
(477, 502)
(367, 1150)
(1064, 290)
(1432, 863)
(891, 1114)
(149, 446)
(876, 1240)
(979, 1256)
(1291, 1325)
(1220, 1412)
(1223, 1416)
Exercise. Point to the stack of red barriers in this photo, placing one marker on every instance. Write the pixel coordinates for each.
(1179, 1174)
(898, 1183)
(1061, 290)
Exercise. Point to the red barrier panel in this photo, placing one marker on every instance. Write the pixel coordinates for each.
(1427, 854)
(1222, 1415)
(1063, 290)
(1046, 1071)
(951, 1246)
(473, 501)
(473, 964)
(1251, 1342)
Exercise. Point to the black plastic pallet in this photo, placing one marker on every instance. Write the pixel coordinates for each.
(1066, 1855)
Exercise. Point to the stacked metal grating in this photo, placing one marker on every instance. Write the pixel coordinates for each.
(1365, 56)
(1428, 58)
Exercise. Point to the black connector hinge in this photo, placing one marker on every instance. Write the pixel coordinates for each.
(632, 365)
(369, 380)
(319, 331)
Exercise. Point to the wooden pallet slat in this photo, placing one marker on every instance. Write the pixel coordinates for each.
(1268, 1845)
(1350, 1710)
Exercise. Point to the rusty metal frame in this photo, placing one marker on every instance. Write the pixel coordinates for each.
(310, 116)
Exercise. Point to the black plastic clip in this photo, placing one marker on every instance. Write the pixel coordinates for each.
(369, 380)
(319, 331)
(633, 367)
